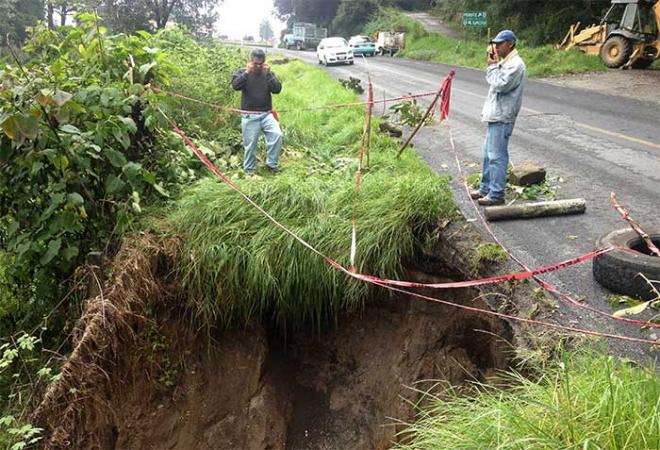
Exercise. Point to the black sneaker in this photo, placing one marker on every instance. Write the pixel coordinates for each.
(487, 201)
(273, 169)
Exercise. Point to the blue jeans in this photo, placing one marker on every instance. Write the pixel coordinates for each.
(252, 125)
(496, 159)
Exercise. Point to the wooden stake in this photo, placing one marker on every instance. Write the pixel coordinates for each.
(634, 225)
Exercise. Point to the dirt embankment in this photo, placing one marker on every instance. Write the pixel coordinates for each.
(157, 384)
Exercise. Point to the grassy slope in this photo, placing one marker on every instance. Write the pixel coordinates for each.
(240, 266)
(541, 61)
(585, 401)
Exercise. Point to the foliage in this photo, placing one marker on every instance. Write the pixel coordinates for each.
(408, 112)
(583, 400)
(17, 17)
(489, 252)
(351, 16)
(540, 61)
(83, 150)
(265, 30)
(261, 271)
(352, 84)
(21, 370)
(535, 22)
(345, 16)
(389, 19)
(634, 306)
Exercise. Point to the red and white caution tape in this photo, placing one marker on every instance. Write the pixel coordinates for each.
(544, 284)
(375, 280)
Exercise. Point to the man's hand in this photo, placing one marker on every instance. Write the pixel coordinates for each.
(249, 68)
(491, 58)
(265, 67)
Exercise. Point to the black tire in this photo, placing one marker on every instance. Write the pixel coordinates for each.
(616, 51)
(619, 270)
(642, 63)
(352, 62)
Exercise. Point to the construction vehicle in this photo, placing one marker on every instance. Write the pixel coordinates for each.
(627, 36)
(304, 36)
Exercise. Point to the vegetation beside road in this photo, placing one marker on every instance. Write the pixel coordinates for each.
(580, 399)
(422, 45)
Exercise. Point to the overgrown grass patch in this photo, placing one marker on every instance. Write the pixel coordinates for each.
(238, 265)
(584, 400)
(421, 45)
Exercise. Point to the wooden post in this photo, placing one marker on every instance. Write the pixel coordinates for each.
(625, 215)
(539, 209)
(421, 122)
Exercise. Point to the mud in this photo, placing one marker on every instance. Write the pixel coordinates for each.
(158, 383)
(349, 386)
(637, 84)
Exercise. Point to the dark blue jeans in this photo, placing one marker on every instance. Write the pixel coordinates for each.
(496, 159)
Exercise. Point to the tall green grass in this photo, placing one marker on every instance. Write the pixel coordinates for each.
(540, 61)
(585, 400)
(237, 265)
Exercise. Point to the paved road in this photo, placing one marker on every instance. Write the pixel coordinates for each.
(595, 143)
(433, 24)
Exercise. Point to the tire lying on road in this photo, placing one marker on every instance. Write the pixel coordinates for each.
(619, 270)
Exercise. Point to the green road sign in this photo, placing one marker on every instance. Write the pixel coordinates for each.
(475, 19)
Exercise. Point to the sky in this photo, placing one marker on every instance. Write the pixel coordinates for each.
(238, 18)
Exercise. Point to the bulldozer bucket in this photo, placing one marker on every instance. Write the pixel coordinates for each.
(592, 36)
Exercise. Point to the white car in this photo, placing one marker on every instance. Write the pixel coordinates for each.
(334, 50)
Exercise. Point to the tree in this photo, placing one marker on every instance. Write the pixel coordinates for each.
(17, 16)
(321, 12)
(265, 30)
(352, 15)
(129, 16)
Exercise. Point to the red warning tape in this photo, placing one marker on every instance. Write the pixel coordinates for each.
(496, 279)
(311, 108)
(385, 283)
(544, 284)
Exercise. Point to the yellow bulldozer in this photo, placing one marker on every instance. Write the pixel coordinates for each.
(628, 36)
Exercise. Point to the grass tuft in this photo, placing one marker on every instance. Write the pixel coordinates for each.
(585, 400)
(238, 266)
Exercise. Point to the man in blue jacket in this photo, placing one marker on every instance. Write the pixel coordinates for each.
(506, 76)
(256, 83)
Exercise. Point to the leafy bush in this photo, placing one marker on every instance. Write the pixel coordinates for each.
(83, 149)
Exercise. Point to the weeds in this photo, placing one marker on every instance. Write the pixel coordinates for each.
(541, 61)
(581, 400)
(352, 84)
(240, 266)
(489, 253)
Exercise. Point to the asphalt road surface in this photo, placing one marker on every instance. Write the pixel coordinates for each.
(596, 143)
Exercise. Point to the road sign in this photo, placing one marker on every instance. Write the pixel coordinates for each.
(475, 19)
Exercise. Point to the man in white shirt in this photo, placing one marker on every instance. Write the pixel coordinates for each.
(506, 76)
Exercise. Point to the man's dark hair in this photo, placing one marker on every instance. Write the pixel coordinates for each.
(257, 53)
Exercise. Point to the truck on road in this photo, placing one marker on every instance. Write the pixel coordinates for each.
(304, 36)
(389, 42)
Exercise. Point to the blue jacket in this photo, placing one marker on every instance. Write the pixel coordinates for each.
(506, 80)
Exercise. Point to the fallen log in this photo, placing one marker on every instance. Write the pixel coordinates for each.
(539, 209)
